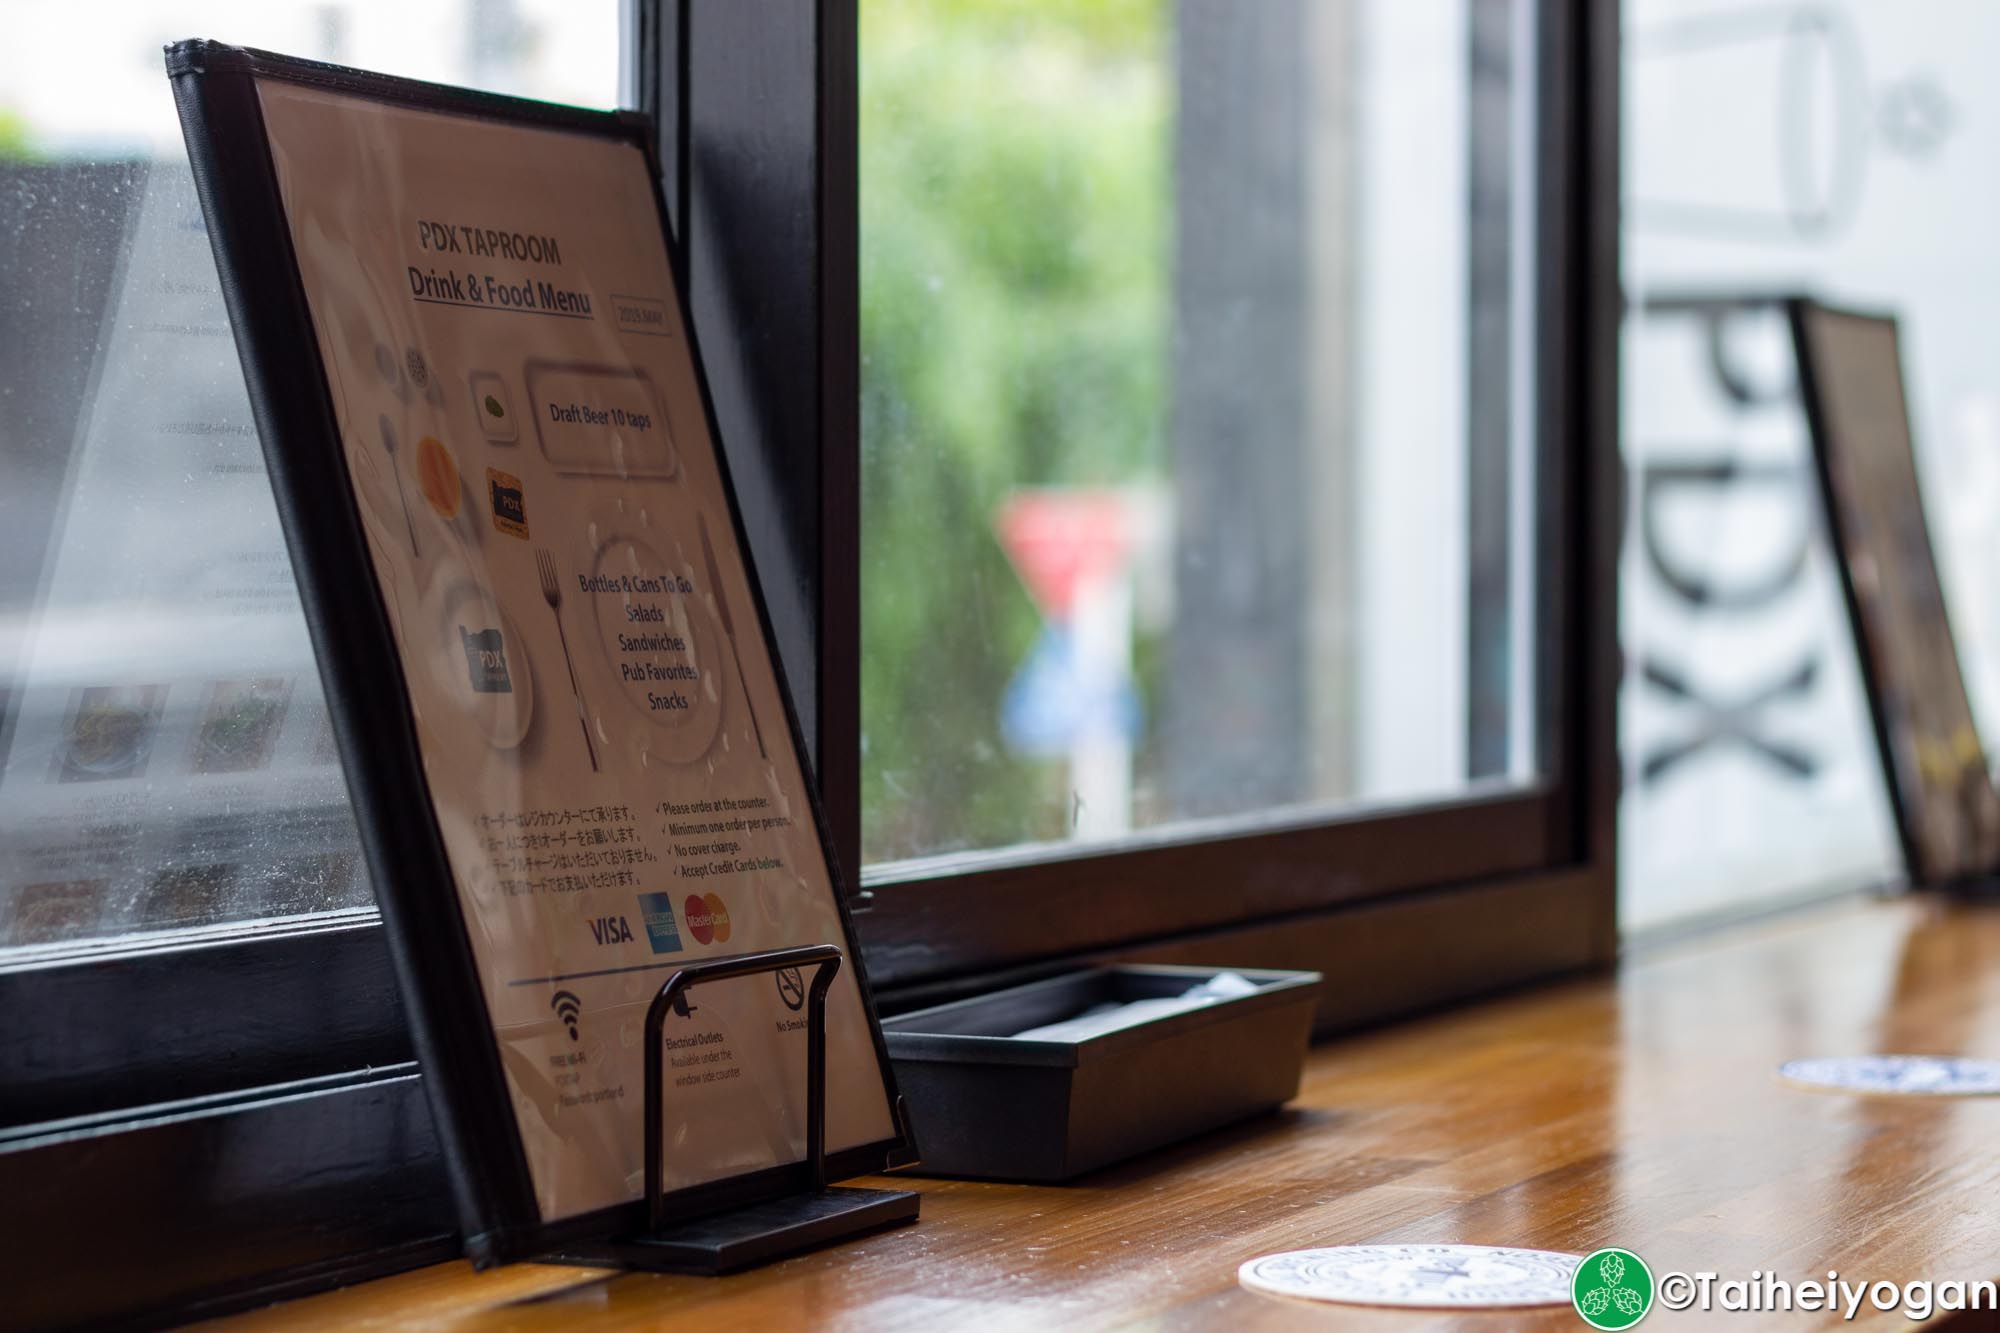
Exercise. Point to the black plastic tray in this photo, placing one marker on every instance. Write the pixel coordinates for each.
(989, 1105)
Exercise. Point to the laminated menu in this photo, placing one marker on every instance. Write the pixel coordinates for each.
(575, 761)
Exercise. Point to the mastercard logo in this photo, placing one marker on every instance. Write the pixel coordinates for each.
(707, 918)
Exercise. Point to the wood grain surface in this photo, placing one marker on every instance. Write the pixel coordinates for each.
(1640, 1110)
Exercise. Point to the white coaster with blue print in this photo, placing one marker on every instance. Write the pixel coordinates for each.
(1897, 1075)
(1454, 1277)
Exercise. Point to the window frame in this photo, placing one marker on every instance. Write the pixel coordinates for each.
(946, 925)
(274, 1055)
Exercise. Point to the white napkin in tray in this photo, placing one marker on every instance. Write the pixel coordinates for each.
(1103, 1018)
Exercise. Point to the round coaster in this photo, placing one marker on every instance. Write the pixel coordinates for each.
(1898, 1075)
(1455, 1277)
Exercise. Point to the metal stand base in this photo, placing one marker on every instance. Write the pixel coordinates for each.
(757, 1234)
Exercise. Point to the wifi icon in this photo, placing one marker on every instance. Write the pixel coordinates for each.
(568, 1008)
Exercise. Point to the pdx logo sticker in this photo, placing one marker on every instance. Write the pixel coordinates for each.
(707, 918)
(510, 508)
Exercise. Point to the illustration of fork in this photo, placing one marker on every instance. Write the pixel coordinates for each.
(545, 566)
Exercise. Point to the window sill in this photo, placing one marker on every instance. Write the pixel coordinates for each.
(1639, 1109)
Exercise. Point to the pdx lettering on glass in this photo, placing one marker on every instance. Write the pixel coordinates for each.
(1747, 714)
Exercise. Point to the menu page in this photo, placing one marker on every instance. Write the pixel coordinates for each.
(1938, 764)
(599, 719)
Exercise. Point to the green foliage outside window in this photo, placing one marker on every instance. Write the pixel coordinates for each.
(1015, 281)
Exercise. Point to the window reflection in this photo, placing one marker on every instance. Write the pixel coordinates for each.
(166, 760)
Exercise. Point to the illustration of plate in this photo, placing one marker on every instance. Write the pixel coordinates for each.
(239, 724)
(110, 731)
(662, 648)
(446, 501)
(410, 484)
(479, 660)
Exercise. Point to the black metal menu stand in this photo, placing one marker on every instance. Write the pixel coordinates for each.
(760, 1232)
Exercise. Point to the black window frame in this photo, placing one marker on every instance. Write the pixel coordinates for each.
(186, 1094)
(1297, 887)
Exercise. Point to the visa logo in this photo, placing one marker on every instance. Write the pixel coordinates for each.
(611, 930)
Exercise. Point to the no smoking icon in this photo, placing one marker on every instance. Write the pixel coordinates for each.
(791, 987)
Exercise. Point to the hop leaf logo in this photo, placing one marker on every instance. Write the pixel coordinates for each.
(1613, 1289)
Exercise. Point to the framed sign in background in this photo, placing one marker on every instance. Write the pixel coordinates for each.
(1851, 380)
(573, 758)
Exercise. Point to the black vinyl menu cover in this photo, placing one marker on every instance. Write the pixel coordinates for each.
(571, 751)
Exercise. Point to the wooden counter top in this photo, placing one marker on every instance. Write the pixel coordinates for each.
(1640, 1111)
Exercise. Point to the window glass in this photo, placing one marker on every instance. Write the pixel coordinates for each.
(1197, 469)
(1841, 150)
(165, 757)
